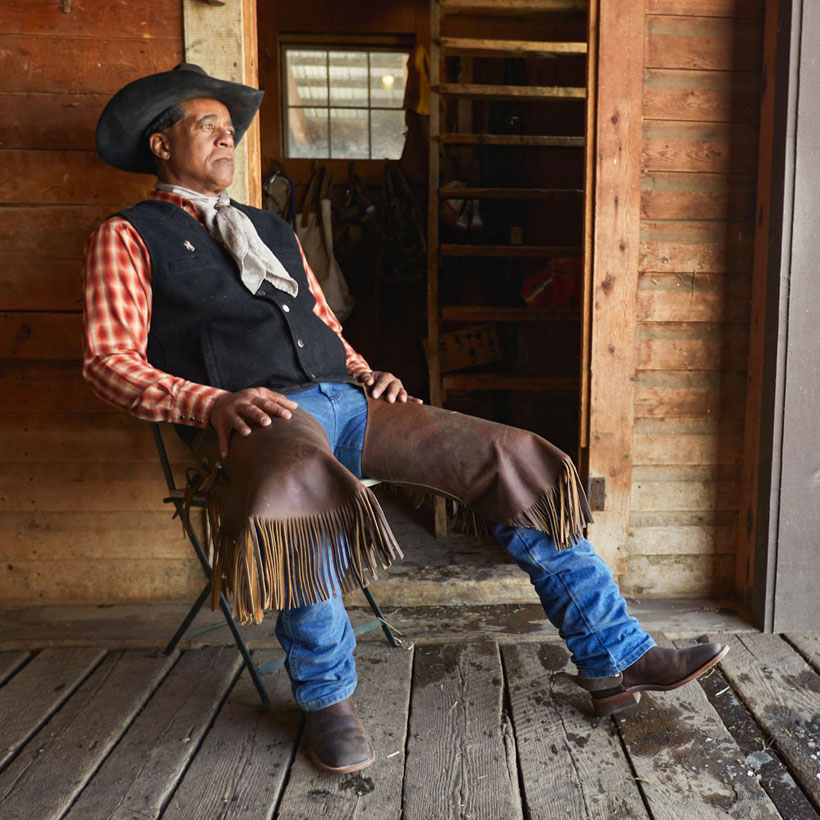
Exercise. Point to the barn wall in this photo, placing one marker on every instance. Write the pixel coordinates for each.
(701, 108)
(81, 517)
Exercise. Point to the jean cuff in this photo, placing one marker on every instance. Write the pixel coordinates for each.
(614, 671)
(327, 700)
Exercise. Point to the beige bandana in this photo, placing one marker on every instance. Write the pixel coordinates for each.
(236, 233)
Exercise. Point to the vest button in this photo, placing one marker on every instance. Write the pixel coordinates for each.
(286, 308)
(300, 343)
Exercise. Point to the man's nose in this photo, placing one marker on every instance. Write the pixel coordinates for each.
(226, 138)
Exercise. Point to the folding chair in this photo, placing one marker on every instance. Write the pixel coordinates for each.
(176, 497)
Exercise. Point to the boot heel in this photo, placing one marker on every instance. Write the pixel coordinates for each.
(615, 703)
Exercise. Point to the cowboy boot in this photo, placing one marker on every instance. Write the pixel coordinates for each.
(659, 670)
(337, 741)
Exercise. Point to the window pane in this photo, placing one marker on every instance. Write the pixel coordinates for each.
(307, 130)
(348, 78)
(306, 77)
(388, 75)
(387, 133)
(348, 133)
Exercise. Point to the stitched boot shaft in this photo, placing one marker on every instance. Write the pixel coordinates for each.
(337, 740)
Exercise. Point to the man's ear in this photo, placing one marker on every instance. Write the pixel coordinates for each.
(159, 145)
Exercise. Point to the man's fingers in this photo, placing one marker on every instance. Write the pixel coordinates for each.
(276, 408)
(393, 390)
(253, 412)
(366, 379)
(381, 384)
(223, 432)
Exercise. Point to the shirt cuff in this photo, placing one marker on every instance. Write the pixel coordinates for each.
(194, 404)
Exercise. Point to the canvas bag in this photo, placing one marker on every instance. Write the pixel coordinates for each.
(315, 231)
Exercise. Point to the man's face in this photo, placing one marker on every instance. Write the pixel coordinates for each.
(198, 151)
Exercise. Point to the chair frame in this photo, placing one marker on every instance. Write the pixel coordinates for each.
(176, 497)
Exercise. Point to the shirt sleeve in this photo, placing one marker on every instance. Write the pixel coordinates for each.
(117, 316)
(356, 364)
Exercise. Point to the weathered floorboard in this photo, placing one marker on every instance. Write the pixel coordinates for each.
(239, 770)
(686, 762)
(382, 700)
(783, 693)
(68, 749)
(573, 767)
(763, 760)
(460, 750)
(808, 644)
(139, 775)
(34, 694)
(10, 662)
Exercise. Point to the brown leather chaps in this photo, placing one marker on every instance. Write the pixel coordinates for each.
(289, 523)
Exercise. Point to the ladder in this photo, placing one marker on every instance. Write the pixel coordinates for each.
(459, 41)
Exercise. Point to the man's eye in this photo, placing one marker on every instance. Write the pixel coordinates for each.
(209, 126)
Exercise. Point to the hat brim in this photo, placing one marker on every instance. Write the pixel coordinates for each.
(121, 128)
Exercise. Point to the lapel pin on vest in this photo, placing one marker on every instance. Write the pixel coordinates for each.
(189, 246)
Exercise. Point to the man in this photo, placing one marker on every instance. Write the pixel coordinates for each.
(205, 313)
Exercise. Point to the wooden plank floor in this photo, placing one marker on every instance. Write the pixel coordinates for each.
(470, 730)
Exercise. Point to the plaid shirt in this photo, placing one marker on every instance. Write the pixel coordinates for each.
(117, 277)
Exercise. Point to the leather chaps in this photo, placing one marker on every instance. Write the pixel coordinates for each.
(290, 524)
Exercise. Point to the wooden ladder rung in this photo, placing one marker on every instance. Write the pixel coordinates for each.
(512, 7)
(462, 192)
(509, 48)
(493, 381)
(473, 313)
(510, 251)
(520, 140)
(541, 93)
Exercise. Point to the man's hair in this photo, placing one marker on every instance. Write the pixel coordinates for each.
(170, 116)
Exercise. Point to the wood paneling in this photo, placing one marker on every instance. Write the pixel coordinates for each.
(34, 63)
(707, 8)
(689, 196)
(41, 335)
(703, 42)
(67, 178)
(49, 121)
(701, 91)
(701, 96)
(81, 513)
(691, 146)
(150, 19)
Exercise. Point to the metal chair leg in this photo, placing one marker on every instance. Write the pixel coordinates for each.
(394, 640)
(192, 613)
(245, 652)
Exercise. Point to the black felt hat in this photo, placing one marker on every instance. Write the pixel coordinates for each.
(121, 128)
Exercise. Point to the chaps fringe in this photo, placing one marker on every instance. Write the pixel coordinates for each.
(279, 564)
(558, 511)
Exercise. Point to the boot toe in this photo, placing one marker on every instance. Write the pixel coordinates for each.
(337, 741)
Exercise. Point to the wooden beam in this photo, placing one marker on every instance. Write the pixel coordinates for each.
(222, 39)
(748, 523)
(616, 250)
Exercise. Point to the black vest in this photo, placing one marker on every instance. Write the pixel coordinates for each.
(207, 327)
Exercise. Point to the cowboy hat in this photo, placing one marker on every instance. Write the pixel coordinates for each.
(121, 128)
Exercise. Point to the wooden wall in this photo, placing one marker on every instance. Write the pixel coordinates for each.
(81, 517)
(80, 512)
(701, 109)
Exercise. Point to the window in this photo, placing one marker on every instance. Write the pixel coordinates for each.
(344, 103)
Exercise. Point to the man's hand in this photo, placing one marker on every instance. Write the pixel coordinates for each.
(233, 411)
(387, 385)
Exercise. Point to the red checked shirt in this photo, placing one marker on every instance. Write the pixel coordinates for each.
(117, 276)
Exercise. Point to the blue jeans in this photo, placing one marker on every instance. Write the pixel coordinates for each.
(575, 586)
